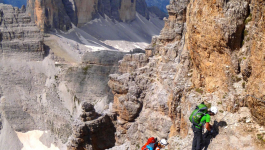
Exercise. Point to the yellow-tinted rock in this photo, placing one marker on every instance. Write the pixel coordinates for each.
(213, 35)
(256, 83)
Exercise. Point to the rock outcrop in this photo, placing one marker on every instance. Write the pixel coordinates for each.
(49, 92)
(48, 100)
(210, 49)
(148, 95)
(60, 14)
(205, 52)
(94, 132)
(253, 61)
(18, 33)
(49, 14)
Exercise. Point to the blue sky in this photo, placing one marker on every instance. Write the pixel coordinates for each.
(17, 3)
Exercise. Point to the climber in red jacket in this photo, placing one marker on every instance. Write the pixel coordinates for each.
(151, 144)
(162, 144)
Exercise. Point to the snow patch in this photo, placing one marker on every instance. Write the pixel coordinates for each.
(31, 141)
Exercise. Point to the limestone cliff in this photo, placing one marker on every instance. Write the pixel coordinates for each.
(255, 58)
(47, 83)
(49, 14)
(208, 51)
(18, 33)
(60, 14)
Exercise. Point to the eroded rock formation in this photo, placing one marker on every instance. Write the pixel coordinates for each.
(18, 33)
(49, 14)
(43, 97)
(147, 96)
(93, 131)
(209, 51)
(61, 13)
(215, 37)
(206, 52)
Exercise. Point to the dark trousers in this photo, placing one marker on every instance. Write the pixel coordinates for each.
(197, 139)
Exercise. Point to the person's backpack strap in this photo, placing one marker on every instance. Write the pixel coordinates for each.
(201, 110)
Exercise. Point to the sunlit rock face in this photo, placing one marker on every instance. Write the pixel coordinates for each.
(253, 65)
(61, 13)
(206, 52)
(49, 82)
(210, 49)
(49, 14)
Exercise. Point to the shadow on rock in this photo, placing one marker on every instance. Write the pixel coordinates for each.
(46, 50)
(208, 136)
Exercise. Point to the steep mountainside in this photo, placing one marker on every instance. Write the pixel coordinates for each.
(53, 86)
(60, 14)
(56, 91)
(19, 34)
(121, 25)
(208, 51)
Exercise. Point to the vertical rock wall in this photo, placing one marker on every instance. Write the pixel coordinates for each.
(85, 11)
(254, 38)
(49, 14)
(61, 13)
(214, 37)
(147, 96)
(208, 51)
(19, 34)
(127, 10)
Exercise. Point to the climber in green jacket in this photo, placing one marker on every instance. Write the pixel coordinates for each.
(200, 118)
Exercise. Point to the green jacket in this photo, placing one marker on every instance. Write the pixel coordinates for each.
(205, 118)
